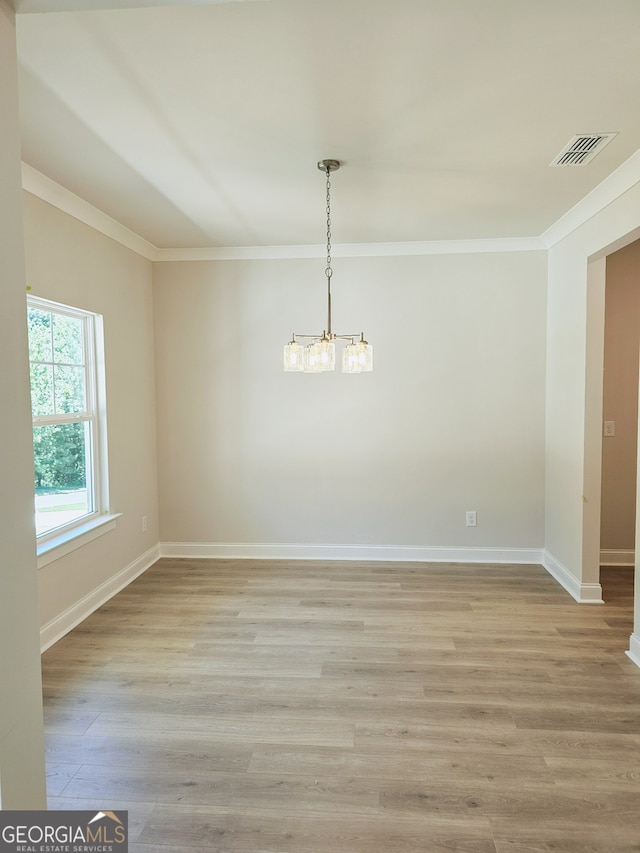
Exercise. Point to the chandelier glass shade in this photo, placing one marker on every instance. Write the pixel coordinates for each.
(319, 354)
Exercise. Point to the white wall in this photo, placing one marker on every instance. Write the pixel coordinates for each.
(451, 419)
(72, 263)
(21, 732)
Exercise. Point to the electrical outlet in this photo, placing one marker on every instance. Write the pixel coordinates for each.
(609, 428)
(472, 518)
(144, 523)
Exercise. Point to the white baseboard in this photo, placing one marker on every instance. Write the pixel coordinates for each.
(617, 557)
(66, 621)
(585, 593)
(634, 649)
(395, 553)
(62, 624)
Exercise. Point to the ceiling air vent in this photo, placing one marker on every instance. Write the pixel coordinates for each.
(582, 149)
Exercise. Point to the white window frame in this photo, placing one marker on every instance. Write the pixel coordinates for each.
(55, 543)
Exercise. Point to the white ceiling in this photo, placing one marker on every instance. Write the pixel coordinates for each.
(199, 124)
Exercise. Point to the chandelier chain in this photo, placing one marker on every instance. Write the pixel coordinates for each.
(328, 271)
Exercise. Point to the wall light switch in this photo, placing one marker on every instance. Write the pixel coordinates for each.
(609, 428)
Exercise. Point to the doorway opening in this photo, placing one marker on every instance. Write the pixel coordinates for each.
(620, 424)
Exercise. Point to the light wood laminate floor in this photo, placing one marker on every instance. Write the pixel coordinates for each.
(323, 707)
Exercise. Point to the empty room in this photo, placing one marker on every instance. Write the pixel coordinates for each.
(392, 609)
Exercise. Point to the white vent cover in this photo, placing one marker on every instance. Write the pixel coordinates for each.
(582, 149)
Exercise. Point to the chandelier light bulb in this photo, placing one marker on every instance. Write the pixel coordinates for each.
(293, 356)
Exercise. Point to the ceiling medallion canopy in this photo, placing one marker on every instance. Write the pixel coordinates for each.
(319, 355)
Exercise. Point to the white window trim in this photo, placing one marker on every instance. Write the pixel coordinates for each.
(56, 543)
(67, 540)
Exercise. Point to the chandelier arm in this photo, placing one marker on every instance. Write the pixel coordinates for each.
(333, 336)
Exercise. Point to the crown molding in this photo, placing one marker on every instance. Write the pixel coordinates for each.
(352, 250)
(55, 194)
(626, 176)
(48, 190)
(615, 185)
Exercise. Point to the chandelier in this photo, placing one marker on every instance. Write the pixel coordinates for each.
(319, 354)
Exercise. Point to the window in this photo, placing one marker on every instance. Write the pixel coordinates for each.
(66, 391)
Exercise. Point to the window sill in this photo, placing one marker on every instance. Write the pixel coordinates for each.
(58, 546)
